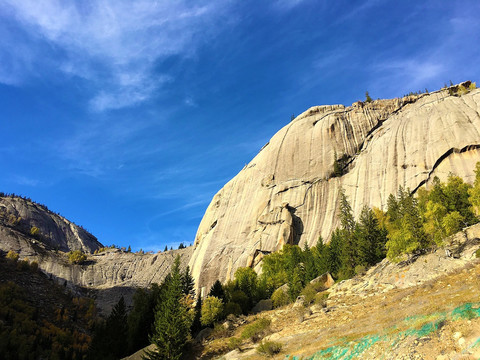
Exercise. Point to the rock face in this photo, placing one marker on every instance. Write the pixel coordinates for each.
(286, 194)
(109, 274)
(54, 231)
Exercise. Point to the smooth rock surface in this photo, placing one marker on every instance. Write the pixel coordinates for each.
(286, 193)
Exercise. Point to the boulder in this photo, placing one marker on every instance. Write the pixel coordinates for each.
(263, 305)
(325, 279)
(203, 335)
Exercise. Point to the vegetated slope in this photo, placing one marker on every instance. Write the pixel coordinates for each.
(287, 194)
(424, 308)
(20, 218)
(38, 318)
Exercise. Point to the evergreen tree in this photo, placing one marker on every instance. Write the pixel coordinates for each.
(166, 248)
(297, 282)
(371, 240)
(172, 325)
(196, 324)
(188, 283)
(109, 341)
(309, 262)
(321, 257)
(334, 251)
(349, 238)
(217, 290)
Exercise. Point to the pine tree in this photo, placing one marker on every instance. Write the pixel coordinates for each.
(297, 282)
(110, 338)
(368, 98)
(188, 283)
(309, 261)
(166, 248)
(171, 326)
(196, 324)
(334, 251)
(217, 290)
(349, 238)
(321, 257)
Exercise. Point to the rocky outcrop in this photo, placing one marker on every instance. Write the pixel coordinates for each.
(54, 231)
(108, 275)
(287, 194)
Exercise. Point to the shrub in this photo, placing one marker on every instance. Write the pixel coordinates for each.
(321, 299)
(309, 292)
(212, 309)
(12, 255)
(232, 308)
(76, 257)
(477, 254)
(256, 330)
(34, 231)
(219, 331)
(269, 348)
(280, 298)
(234, 343)
(472, 86)
(360, 269)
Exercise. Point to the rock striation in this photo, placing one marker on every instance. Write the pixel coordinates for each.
(287, 194)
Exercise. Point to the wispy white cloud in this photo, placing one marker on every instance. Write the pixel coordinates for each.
(115, 44)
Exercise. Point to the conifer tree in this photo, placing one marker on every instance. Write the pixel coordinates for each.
(217, 290)
(172, 325)
(349, 238)
(188, 283)
(309, 262)
(321, 257)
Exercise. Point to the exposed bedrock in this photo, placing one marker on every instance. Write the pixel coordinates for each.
(286, 193)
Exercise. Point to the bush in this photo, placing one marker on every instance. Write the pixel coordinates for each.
(219, 331)
(309, 292)
(34, 231)
(321, 299)
(212, 309)
(269, 348)
(280, 298)
(256, 330)
(232, 308)
(234, 343)
(477, 254)
(12, 255)
(76, 257)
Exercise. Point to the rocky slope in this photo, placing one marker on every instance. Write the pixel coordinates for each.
(426, 308)
(108, 274)
(286, 193)
(20, 216)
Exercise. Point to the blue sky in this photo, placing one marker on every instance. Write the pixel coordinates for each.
(127, 117)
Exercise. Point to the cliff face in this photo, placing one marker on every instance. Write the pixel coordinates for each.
(54, 231)
(109, 274)
(286, 193)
